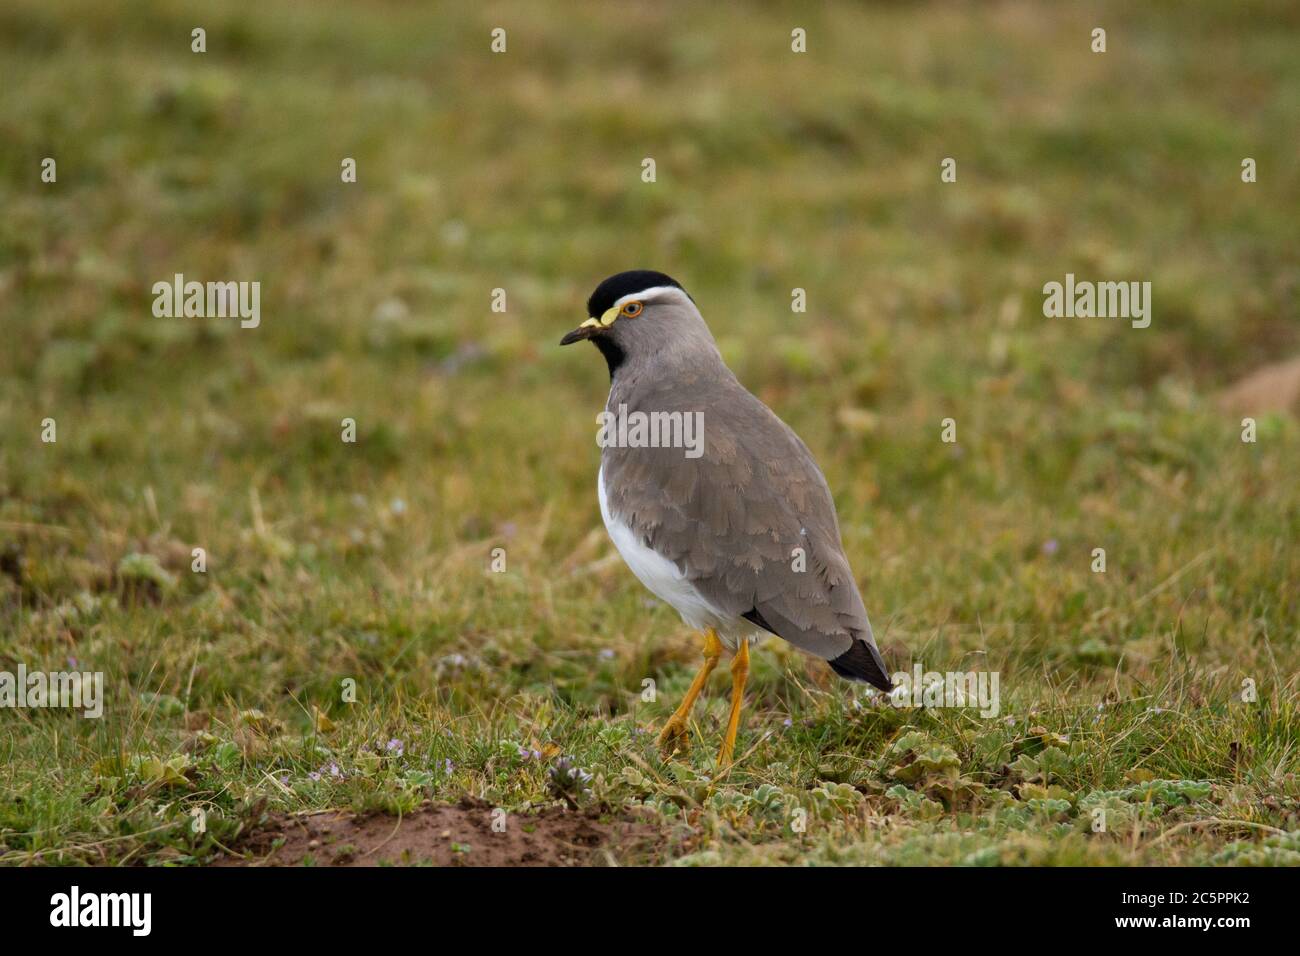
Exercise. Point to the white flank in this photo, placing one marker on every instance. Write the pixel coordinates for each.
(666, 581)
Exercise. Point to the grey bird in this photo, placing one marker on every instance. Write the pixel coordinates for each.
(738, 531)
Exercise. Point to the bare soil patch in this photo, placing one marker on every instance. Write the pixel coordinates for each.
(1270, 388)
(446, 835)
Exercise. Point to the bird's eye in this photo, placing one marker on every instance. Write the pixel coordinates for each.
(632, 309)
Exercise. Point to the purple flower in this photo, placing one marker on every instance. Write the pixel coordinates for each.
(395, 747)
(565, 777)
(1050, 547)
(313, 775)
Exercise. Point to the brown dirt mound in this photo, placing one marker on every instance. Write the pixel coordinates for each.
(1271, 388)
(443, 835)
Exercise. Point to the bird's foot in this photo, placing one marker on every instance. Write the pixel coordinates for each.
(674, 737)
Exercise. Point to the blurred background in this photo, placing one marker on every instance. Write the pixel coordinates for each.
(522, 171)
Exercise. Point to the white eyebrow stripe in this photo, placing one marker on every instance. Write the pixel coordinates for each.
(653, 292)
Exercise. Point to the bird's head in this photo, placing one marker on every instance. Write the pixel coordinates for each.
(640, 315)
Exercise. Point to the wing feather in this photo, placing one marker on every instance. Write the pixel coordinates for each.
(732, 518)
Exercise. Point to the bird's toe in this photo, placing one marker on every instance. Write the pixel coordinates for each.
(674, 737)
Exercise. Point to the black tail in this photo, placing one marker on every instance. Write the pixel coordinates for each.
(862, 662)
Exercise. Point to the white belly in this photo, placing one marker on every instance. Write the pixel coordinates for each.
(666, 581)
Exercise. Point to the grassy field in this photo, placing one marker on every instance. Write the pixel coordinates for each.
(334, 565)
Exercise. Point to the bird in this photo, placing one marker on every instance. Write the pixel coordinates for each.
(740, 534)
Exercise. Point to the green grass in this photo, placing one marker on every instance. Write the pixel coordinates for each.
(369, 561)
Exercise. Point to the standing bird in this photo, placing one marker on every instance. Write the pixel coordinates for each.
(739, 535)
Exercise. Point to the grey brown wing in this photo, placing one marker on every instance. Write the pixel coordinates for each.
(751, 522)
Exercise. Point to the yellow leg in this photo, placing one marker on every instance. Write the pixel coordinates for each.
(674, 733)
(739, 673)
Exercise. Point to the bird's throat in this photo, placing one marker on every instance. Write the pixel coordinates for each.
(614, 355)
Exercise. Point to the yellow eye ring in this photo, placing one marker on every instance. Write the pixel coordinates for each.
(632, 309)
